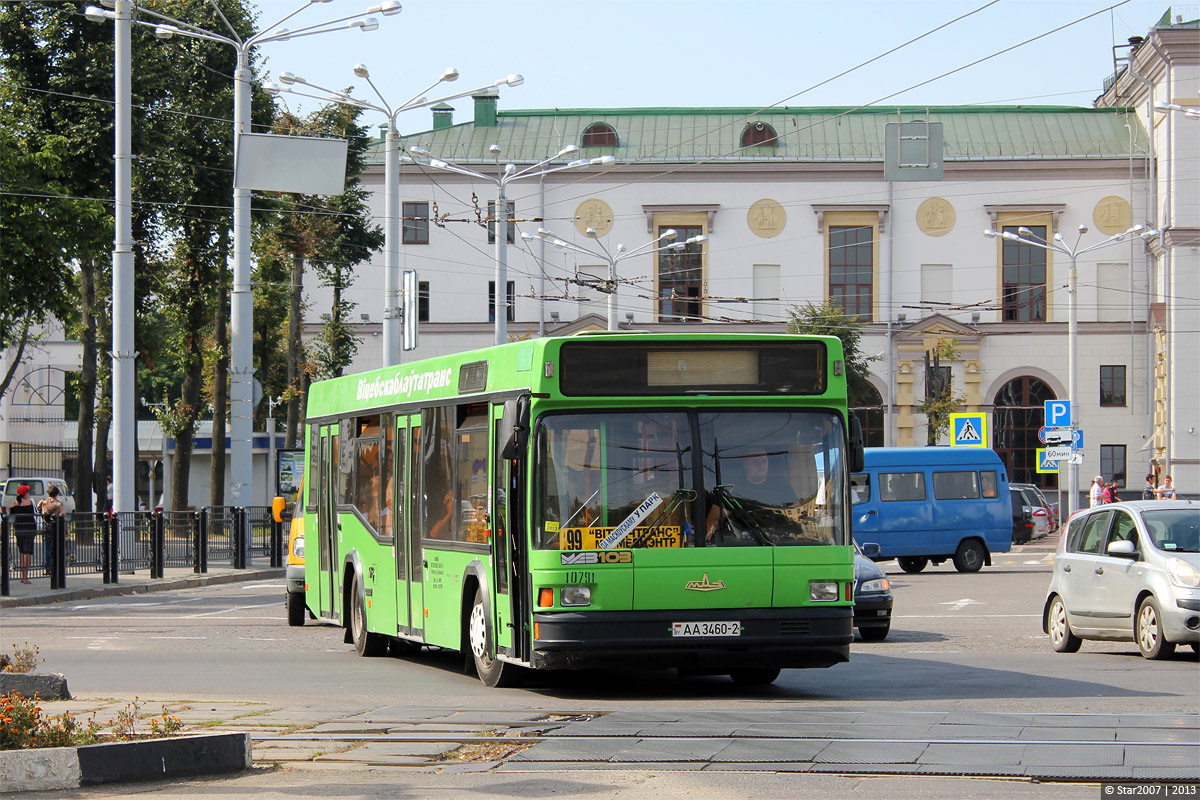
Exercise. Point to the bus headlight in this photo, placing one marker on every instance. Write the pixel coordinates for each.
(298, 548)
(823, 591)
(575, 596)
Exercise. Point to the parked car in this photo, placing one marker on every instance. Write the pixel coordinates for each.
(38, 489)
(1045, 514)
(872, 595)
(1127, 572)
(1022, 517)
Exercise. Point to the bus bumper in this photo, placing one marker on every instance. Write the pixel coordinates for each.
(786, 638)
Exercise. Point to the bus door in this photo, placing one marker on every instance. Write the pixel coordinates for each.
(398, 495)
(508, 607)
(415, 557)
(327, 522)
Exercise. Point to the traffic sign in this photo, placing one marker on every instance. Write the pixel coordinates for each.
(1077, 442)
(1076, 457)
(1058, 453)
(1058, 413)
(1042, 434)
(1044, 465)
(969, 430)
(1058, 436)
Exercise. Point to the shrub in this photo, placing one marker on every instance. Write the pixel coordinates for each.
(23, 726)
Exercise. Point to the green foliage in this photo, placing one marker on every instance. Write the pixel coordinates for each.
(23, 726)
(828, 319)
(940, 399)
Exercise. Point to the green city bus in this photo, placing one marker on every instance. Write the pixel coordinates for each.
(609, 499)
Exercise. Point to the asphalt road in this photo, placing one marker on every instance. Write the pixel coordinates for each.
(958, 641)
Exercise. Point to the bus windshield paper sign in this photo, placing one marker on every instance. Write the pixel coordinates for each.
(640, 513)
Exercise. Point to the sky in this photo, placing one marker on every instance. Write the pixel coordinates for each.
(718, 53)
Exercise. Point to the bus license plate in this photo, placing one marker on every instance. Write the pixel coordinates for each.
(706, 629)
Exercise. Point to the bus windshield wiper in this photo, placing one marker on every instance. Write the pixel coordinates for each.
(739, 515)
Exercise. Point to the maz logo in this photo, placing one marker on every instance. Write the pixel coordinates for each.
(704, 585)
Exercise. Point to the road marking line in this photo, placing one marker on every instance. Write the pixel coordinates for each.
(178, 637)
(967, 616)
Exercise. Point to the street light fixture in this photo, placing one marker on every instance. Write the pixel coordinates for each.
(506, 175)
(1059, 245)
(611, 285)
(241, 360)
(392, 324)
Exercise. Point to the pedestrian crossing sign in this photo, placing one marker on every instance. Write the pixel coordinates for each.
(970, 430)
(1044, 465)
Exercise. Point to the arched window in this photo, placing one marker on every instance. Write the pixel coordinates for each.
(867, 405)
(1019, 412)
(758, 134)
(599, 134)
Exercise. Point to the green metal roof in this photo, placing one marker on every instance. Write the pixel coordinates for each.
(805, 135)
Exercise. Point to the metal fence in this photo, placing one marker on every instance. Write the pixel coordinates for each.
(48, 548)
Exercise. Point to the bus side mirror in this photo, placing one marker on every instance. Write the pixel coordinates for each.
(277, 506)
(857, 457)
(513, 428)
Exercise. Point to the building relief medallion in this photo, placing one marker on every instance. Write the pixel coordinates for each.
(935, 217)
(766, 218)
(1113, 215)
(595, 214)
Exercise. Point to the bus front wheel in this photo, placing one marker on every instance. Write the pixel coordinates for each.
(491, 670)
(366, 644)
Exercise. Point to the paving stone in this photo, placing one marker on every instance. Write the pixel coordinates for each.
(855, 752)
(973, 754)
(1148, 755)
(1074, 756)
(1101, 734)
(571, 750)
(786, 750)
(682, 751)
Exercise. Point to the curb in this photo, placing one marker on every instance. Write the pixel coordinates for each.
(45, 685)
(148, 759)
(119, 589)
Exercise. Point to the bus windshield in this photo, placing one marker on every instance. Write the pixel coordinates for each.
(617, 480)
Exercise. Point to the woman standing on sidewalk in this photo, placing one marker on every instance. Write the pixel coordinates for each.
(20, 516)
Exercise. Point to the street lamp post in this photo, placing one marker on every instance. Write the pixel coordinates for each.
(241, 368)
(392, 324)
(509, 174)
(611, 285)
(1059, 245)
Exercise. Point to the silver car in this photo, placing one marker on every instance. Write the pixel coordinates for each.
(1128, 572)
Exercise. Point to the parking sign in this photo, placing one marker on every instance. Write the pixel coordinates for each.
(1058, 413)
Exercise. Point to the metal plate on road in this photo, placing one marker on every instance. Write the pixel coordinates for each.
(706, 629)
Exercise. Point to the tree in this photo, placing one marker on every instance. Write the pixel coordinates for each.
(940, 400)
(828, 319)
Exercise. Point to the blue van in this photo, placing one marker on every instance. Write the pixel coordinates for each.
(928, 504)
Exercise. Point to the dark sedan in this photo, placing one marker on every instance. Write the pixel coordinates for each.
(872, 596)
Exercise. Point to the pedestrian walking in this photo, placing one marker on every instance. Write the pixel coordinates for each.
(1096, 492)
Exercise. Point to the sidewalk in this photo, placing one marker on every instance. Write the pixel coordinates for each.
(91, 585)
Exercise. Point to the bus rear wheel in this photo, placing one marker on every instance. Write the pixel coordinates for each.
(366, 644)
(912, 563)
(755, 677)
(491, 670)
